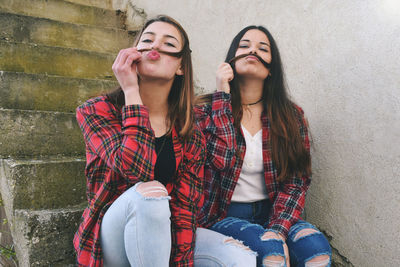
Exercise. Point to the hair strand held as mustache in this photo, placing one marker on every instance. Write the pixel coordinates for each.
(266, 64)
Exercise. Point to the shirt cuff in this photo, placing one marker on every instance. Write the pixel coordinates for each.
(135, 115)
(221, 96)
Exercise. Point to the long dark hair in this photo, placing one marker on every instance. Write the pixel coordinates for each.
(289, 153)
(180, 98)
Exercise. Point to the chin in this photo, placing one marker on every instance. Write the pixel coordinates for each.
(155, 71)
(254, 74)
(155, 76)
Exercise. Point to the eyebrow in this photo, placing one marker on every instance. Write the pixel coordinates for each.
(263, 43)
(165, 35)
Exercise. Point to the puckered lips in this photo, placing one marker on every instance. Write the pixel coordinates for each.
(153, 55)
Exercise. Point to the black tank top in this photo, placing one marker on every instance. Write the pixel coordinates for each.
(165, 167)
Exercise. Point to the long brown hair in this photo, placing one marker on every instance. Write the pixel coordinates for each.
(180, 98)
(289, 153)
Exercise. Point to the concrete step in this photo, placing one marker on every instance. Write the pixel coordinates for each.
(6, 240)
(44, 238)
(106, 4)
(36, 59)
(25, 133)
(26, 29)
(48, 93)
(65, 11)
(43, 184)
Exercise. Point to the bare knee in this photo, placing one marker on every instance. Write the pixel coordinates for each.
(152, 189)
(304, 232)
(235, 242)
(319, 261)
(274, 261)
(270, 235)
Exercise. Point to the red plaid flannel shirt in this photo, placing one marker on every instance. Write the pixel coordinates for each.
(119, 153)
(223, 167)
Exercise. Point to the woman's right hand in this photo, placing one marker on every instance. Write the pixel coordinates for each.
(224, 76)
(124, 69)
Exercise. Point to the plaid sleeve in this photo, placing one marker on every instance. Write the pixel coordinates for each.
(125, 146)
(216, 122)
(289, 203)
(186, 200)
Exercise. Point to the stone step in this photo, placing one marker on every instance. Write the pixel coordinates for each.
(36, 59)
(48, 93)
(25, 133)
(6, 240)
(106, 4)
(44, 238)
(43, 184)
(65, 11)
(26, 29)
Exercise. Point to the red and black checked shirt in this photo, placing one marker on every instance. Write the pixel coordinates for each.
(119, 153)
(223, 167)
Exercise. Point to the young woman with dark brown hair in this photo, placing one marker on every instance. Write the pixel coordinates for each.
(258, 165)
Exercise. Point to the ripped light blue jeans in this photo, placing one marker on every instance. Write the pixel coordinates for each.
(248, 221)
(136, 231)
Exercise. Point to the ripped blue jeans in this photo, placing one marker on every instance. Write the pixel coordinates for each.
(248, 221)
(136, 231)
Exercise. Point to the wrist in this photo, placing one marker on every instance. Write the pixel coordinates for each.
(223, 87)
(130, 89)
(132, 97)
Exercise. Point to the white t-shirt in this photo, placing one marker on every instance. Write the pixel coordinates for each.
(251, 183)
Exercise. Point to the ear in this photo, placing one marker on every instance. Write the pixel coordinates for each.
(179, 71)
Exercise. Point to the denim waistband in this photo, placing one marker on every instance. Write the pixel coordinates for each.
(254, 212)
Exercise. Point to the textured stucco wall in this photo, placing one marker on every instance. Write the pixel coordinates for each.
(342, 66)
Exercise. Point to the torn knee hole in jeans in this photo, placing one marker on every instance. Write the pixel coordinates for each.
(231, 240)
(270, 236)
(274, 261)
(319, 261)
(153, 191)
(303, 233)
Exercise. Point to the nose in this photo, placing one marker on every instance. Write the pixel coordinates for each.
(253, 50)
(156, 45)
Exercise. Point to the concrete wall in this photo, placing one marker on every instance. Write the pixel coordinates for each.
(342, 66)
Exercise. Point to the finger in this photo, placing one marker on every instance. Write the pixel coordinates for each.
(121, 58)
(133, 58)
(117, 60)
(228, 75)
(227, 69)
(225, 65)
(222, 66)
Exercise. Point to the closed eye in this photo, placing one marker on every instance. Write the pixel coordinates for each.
(147, 41)
(170, 44)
